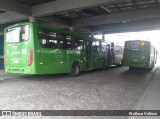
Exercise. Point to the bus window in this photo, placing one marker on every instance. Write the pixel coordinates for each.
(52, 41)
(42, 37)
(65, 42)
(24, 33)
(135, 45)
(104, 48)
(96, 45)
(78, 44)
(17, 34)
(47, 39)
(68, 42)
(117, 49)
(61, 41)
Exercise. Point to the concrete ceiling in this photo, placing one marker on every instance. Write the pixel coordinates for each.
(87, 15)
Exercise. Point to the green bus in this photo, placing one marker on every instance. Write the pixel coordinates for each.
(139, 54)
(33, 48)
(115, 54)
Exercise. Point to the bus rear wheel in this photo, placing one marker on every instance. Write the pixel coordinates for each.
(104, 66)
(131, 68)
(75, 70)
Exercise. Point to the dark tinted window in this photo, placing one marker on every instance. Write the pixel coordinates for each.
(137, 45)
(61, 39)
(65, 42)
(133, 45)
(104, 47)
(47, 39)
(96, 45)
(118, 49)
(78, 44)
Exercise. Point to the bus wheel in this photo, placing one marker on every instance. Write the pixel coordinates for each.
(75, 70)
(104, 66)
(119, 65)
(131, 68)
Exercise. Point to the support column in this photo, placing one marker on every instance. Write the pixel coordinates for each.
(32, 19)
(103, 36)
(92, 34)
(91, 50)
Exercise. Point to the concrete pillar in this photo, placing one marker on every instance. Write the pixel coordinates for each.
(92, 34)
(103, 36)
(32, 19)
(71, 28)
(91, 50)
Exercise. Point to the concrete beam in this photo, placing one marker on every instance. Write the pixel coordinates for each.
(13, 6)
(55, 21)
(68, 5)
(11, 17)
(143, 25)
(119, 17)
(8, 17)
(83, 30)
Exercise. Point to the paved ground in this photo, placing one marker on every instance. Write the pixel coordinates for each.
(113, 89)
(151, 97)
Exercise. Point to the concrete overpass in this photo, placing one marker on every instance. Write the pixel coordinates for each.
(105, 16)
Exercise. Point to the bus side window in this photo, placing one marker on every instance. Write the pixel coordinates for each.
(42, 37)
(96, 45)
(117, 49)
(78, 44)
(65, 42)
(47, 39)
(25, 33)
(52, 40)
(61, 41)
(104, 46)
(68, 42)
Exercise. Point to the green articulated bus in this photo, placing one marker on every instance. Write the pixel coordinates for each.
(139, 54)
(33, 48)
(115, 54)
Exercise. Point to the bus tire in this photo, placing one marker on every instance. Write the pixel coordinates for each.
(119, 65)
(104, 66)
(131, 68)
(75, 70)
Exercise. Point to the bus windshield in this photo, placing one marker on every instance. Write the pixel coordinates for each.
(17, 34)
(136, 45)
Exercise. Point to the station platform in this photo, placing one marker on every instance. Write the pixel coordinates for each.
(151, 98)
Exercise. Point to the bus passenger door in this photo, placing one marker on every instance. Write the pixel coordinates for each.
(109, 55)
(88, 46)
(96, 55)
(80, 53)
(119, 54)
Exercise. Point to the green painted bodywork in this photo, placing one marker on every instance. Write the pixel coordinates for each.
(49, 60)
(140, 58)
